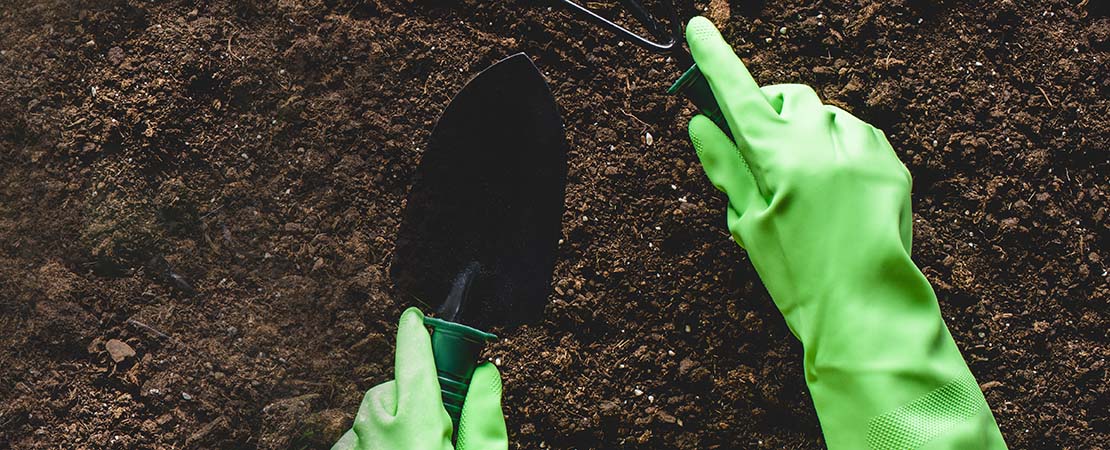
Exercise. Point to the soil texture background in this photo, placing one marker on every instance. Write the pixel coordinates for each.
(198, 202)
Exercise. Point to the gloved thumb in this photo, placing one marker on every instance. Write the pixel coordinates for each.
(482, 425)
(724, 165)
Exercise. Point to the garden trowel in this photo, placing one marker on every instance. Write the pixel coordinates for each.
(482, 221)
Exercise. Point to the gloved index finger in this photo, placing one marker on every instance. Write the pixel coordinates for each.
(733, 86)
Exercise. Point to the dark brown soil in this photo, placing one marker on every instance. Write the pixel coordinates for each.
(217, 187)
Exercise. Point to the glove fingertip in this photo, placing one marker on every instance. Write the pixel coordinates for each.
(411, 321)
(411, 333)
(700, 30)
(483, 423)
(486, 381)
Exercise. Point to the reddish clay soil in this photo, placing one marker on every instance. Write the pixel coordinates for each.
(215, 188)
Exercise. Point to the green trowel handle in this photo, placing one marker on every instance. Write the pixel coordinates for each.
(693, 85)
(455, 348)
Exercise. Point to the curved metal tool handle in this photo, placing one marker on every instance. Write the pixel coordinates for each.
(641, 14)
(693, 85)
(455, 348)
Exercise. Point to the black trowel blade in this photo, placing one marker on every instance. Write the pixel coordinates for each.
(488, 194)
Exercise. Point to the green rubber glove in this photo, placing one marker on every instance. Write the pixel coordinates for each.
(821, 203)
(407, 413)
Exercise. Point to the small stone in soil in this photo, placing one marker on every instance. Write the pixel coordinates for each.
(119, 350)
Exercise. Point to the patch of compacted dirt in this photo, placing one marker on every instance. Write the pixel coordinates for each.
(198, 204)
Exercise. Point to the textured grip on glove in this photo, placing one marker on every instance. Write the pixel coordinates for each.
(931, 415)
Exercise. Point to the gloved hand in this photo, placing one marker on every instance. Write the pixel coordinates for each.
(821, 203)
(407, 413)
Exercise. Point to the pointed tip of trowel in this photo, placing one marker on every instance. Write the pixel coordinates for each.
(517, 58)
